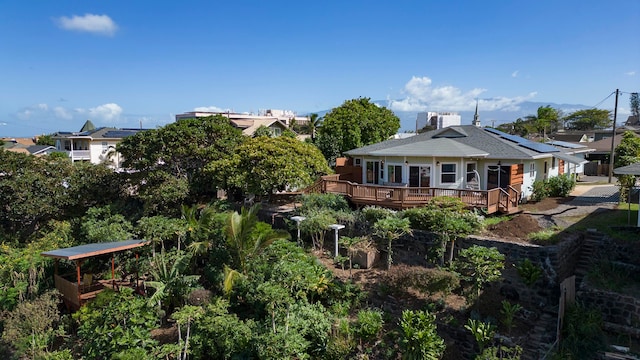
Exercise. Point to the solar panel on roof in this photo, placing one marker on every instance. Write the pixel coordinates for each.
(565, 144)
(538, 147)
(118, 133)
(528, 144)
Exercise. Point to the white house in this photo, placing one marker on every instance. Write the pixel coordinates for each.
(95, 145)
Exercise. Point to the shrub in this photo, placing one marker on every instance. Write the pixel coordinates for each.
(323, 201)
(418, 337)
(562, 185)
(369, 324)
(428, 280)
(375, 213)
(508, 311)
(32, 326)
(557, 186)
(539, 190)
(482, 331)
(529, 272)
(221, 335)
(582, 333)
(114, 322)
(480, 265)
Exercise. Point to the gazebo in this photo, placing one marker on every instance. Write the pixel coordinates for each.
(633, 169)
(78, 292)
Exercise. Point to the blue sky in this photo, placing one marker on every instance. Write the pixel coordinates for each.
(122, 63)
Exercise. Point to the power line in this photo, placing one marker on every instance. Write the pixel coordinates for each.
(603, 100)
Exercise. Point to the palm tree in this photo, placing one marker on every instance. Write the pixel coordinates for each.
(247, 238)
(170, 282)
(314, 123)
(199, 222)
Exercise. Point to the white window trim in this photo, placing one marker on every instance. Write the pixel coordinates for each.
(455, 173)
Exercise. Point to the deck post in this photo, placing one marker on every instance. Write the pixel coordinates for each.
(113, 272)
(78, 264)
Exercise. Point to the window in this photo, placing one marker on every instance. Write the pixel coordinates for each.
(276, 131)
(448, 173)
(395, 173)
(532, 169)
(471, 173)
(105, 146)
(357, 162)
(553, 162)
(371, 173)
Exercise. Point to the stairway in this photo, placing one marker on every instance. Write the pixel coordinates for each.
(589, 253)
(543, 335)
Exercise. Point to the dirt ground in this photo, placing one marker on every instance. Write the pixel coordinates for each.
(521, 225)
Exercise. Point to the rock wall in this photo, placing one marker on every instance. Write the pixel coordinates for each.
(556, 261)
(615, 307)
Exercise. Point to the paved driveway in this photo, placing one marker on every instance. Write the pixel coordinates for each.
(596, 194)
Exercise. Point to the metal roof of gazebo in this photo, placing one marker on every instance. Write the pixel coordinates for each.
(633, 169)
(89, 250)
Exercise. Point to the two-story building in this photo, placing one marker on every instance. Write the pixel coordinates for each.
(95, 145)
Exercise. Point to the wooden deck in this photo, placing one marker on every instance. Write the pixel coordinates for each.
(401, 197)
(75, 296)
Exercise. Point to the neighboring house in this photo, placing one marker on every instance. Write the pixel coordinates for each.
(577, 150)
(95, 145)
(460, 157)
(242, 120)
(26, 146)
(572, 137)
(249, 126)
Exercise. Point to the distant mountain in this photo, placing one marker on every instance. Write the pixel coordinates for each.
(487, 117)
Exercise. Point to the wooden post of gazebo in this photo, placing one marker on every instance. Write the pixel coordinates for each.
(78, 264)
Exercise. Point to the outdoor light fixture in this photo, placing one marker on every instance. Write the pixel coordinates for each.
(336, 227)
(298, 220)
(437, 163)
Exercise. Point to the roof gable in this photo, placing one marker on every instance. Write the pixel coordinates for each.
(451, 132)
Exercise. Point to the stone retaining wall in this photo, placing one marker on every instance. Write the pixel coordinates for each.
(615, 307)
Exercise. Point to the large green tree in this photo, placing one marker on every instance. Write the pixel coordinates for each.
(179, 152)
(588, 119)
(264, 165)
(35, 190)
(627, 153)
(547, 119)
(358, 122)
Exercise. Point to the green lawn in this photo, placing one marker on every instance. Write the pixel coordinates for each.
(609, 222)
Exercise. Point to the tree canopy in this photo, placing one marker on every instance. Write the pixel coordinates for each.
(588, 119)
(177, 154)
(264, 165)
(355, 123)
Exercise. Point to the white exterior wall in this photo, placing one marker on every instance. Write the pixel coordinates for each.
(443, 119)
(448, 119)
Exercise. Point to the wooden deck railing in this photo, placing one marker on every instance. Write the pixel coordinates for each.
(402, 197)
(76, 296)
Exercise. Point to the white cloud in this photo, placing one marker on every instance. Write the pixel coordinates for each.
(107, 112)
(210, 109)
(630, 73)
(43, 107)
(62, 113)
(515, 73)
(97, 24)
(422, 96)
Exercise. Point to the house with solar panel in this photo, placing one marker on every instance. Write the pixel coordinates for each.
(95, 145)
(484, 167)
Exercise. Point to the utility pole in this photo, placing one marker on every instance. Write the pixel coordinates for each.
(613, 138)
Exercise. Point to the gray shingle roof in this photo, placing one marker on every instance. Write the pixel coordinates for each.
(459, 141)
